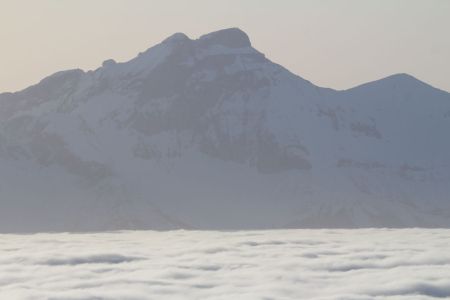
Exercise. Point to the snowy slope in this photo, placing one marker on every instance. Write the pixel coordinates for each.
(209, 133)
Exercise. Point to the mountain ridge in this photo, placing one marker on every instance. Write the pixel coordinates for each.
(180, 36)
(210, 134)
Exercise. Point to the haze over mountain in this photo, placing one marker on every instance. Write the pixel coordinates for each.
(210, 134)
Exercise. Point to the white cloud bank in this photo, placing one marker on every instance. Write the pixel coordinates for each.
(287, 264)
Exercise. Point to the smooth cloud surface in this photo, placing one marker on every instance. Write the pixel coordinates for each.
(285, 264)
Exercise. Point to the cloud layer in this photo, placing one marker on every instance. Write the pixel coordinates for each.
(288, 264)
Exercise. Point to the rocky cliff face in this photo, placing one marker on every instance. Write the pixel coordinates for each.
(209, 133)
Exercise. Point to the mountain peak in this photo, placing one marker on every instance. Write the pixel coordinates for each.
(177, 38)
(400, 80)
(402, 77)
(231, 37)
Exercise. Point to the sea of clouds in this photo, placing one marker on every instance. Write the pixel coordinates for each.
(283, 264)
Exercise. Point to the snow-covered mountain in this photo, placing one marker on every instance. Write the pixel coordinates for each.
(210, 134)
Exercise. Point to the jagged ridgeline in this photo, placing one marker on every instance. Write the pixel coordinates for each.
(210, 134)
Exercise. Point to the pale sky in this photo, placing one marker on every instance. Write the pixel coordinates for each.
(337, 44)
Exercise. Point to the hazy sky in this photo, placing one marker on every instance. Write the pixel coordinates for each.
(336, 44)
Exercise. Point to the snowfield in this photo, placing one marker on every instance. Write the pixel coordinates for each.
(282, 264)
